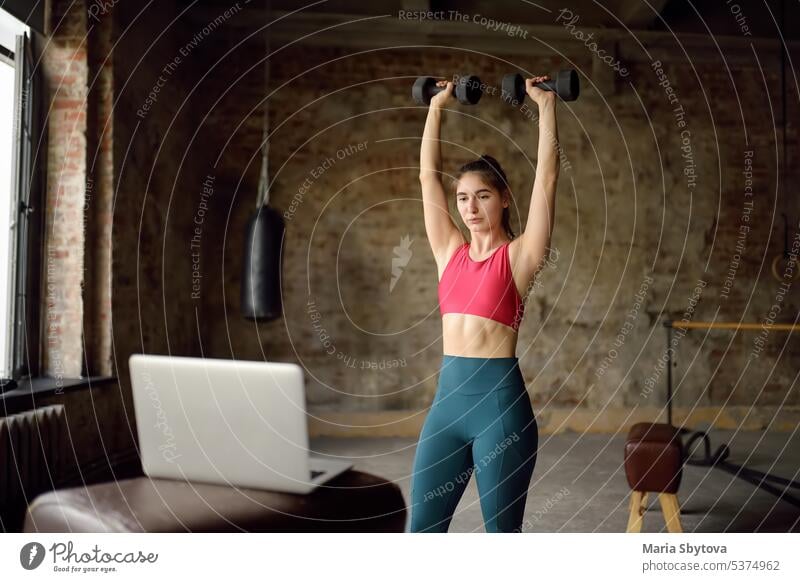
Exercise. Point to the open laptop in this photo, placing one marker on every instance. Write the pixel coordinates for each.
(227, 422)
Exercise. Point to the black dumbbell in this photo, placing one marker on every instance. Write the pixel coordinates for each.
(468, 90)
(566, 85)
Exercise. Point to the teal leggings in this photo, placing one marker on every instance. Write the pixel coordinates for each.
(481, 421)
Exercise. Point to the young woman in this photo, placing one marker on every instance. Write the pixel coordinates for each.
(481, 420)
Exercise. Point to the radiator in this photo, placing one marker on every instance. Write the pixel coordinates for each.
(33, 452)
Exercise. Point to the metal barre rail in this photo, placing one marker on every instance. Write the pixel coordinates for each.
(670, 325)
(719, 459)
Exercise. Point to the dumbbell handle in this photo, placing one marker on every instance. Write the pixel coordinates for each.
(549, 85)
(468, 90)
(565, 84)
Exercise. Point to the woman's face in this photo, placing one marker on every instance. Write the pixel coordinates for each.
(479, 204)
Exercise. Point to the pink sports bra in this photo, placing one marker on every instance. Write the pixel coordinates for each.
(485, 288)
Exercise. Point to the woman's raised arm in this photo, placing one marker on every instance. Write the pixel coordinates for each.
(541, 215)
(438, 224)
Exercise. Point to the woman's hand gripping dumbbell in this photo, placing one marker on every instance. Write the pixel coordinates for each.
(427, 90)
(566, 85)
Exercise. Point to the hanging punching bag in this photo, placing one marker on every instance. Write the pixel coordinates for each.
(263, 241)
(263, 255)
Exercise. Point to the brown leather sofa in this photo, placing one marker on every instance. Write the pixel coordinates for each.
(351, 502)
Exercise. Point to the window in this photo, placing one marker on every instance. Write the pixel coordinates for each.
(6, 122)
(15, 189)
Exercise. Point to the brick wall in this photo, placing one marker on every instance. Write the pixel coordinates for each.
(65, 69)
(627, 224)
(634, 241)
(76, 289)
(158, 174)
(99, 198)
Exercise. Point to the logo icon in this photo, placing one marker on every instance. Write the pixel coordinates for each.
(31, 555)
(402, 256)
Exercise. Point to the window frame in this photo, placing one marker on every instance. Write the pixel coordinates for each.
(22, 349)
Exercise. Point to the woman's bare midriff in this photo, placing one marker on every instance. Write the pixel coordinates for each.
(473, 336)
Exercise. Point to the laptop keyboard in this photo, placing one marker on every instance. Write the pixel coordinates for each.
(315, 474)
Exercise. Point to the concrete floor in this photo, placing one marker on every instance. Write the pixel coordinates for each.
(588, 469)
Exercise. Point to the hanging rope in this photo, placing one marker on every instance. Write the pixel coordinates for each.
(263, 181)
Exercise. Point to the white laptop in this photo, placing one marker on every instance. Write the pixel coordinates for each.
(227, 422)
